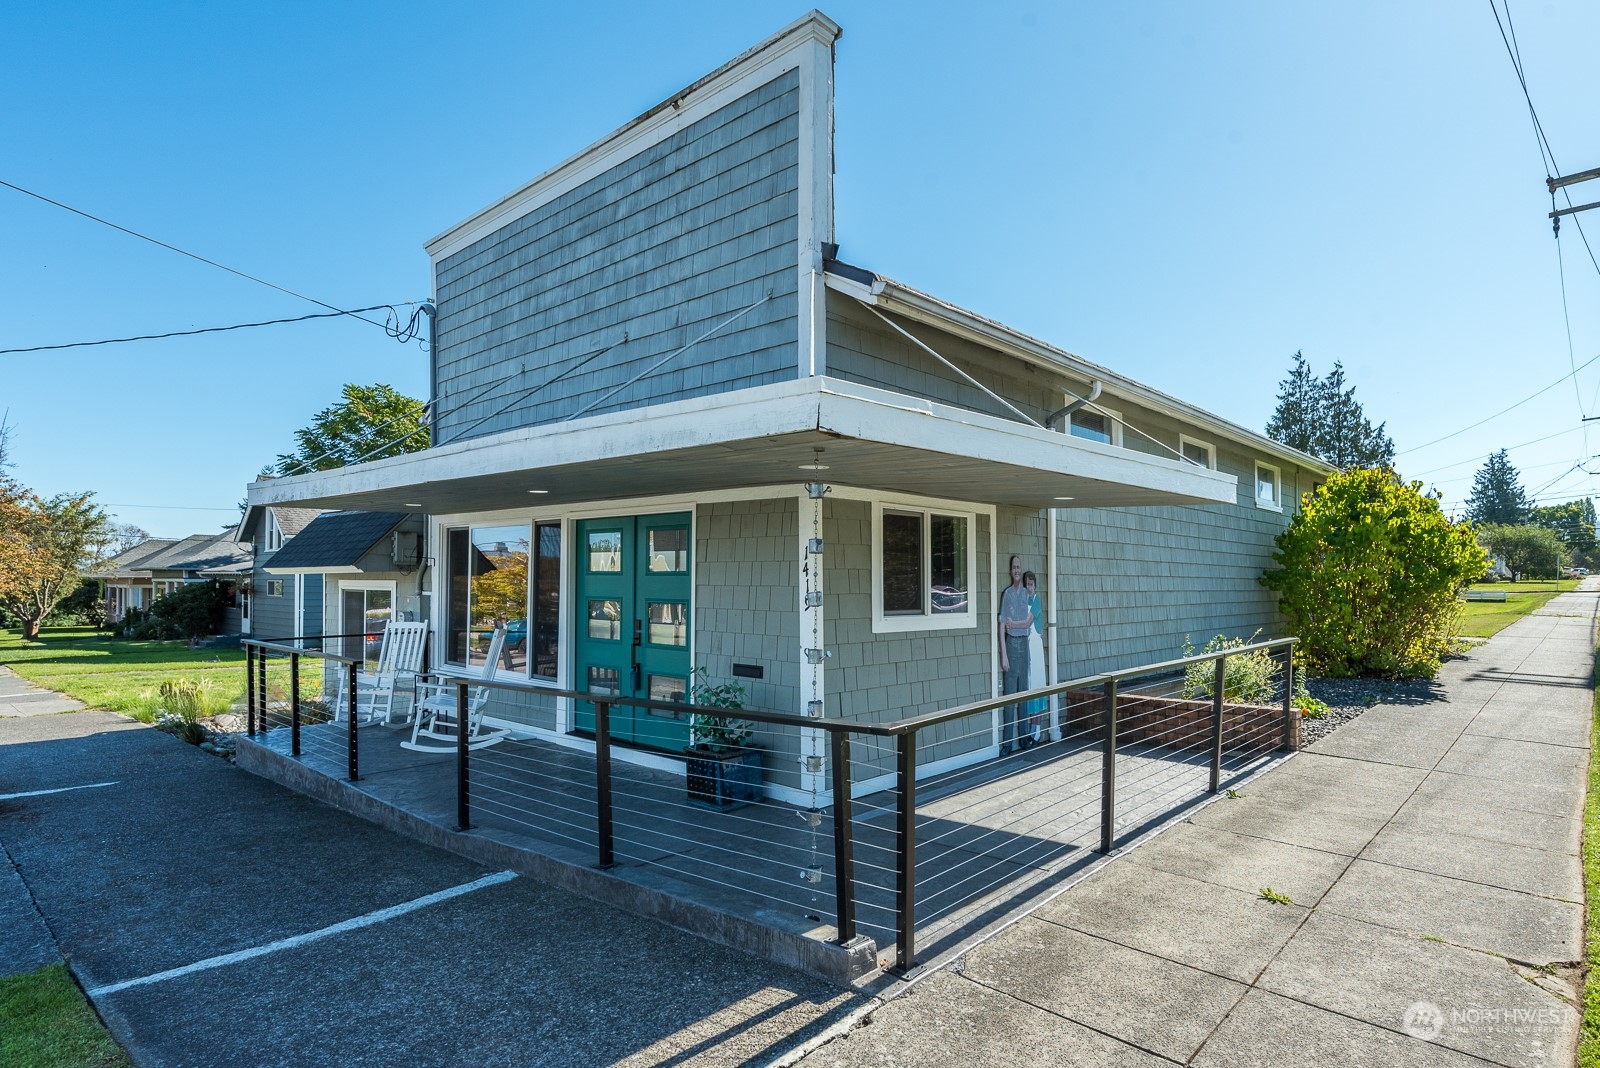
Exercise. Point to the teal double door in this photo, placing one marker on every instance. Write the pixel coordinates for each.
(633, 629)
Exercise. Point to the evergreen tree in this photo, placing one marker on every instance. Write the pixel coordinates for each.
(1497, 495)
(1323, 417)
(1298, 419)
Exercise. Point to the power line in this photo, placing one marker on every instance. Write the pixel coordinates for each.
(1485, 456)
(192, 255)
(1502, 411)
(202, 330)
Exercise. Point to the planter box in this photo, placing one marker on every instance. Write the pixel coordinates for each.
(723, 780)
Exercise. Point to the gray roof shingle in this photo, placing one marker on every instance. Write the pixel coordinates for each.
(335, 539)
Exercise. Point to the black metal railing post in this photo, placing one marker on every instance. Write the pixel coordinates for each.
(906, 849)
(602, 783)
(350, 716)
(1288, 698)
(1216, 722)
(294, 704)
(250, 690)
(463, 801)
(1108, 770)
(844, 874)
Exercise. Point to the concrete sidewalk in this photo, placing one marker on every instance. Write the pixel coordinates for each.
(19, 697)
(1431, 855)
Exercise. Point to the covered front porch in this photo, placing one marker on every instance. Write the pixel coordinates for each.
(878, 872)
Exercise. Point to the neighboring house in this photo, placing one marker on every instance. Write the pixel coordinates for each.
(277, 607)
(124, 583)
(368, 569)
(138, 577)
(674, 429)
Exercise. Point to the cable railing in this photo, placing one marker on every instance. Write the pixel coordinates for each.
(909, 832)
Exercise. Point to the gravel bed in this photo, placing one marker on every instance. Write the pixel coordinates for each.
(1348, 698)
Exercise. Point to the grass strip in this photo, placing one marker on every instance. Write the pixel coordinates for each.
(1589, 1039)
(46, 1022)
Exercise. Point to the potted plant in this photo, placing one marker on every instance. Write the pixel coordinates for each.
(723, 770)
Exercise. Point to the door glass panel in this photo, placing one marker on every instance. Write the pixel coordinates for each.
(605, 681)
(605, 551)
(668, 688)
(499, 593)
(605, 620)
(375, 620)
(669, 551)
(669, 623)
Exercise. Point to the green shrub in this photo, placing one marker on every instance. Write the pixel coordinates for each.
(190, 612)
(717, 733)
(1367, 574)
(1248, 678)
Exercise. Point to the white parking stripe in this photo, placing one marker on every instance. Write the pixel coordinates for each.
(299, 940)
(57, 790)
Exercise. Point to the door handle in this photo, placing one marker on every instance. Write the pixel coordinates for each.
(637, 669)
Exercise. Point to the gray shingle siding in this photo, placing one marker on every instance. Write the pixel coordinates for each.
(662, 246)
(272, 617)
(876, 678)
(747, 611)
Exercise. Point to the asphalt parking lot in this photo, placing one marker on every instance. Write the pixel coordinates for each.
(218, 919)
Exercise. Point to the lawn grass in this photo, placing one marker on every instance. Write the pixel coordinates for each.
(119, 676)
(1589, 1038)
(45, 1022)
(1485, 619)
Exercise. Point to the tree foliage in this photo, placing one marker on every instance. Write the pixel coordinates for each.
(1527, 550)
(1573, 522)
(1368, 573)
(45, 547)
(1323, 417)
(368, 423)
(1497, 497)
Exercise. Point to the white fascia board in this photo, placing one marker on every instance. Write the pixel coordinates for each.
(783, 51)
(855, 290)
(341, 569)
(873, 414)
(762, 411)
(891, 296)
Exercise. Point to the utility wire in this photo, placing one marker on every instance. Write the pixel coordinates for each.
(193, 256)
(1502, 411)
(1485, 456)
(192, 333)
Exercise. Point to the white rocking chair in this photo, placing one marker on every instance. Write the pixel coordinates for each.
(399, 661)
(435, 727)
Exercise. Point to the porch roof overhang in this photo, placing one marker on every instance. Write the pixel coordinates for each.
(868, 438)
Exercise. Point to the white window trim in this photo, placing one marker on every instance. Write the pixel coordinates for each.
(1277, 487)
(900, 624)
(275, 538)
(1211, 450)
(1114, 416)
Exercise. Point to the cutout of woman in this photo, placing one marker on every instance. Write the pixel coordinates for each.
(1038, 721)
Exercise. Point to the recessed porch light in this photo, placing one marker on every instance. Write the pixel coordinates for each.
(538, 491)
(1066, 498)
(813, 467)
(409, 504)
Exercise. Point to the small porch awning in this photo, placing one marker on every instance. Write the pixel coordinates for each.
(766, 435)
(333, 542)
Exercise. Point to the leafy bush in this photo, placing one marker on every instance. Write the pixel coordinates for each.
(717, 733)
(83, 607)
(1248, 678)
(190, 612)
(1527, 550)
(1368, 572)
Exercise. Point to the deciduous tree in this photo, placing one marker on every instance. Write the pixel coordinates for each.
(368, 423)
(1368, 573)
(45, 546)
(1573, 522)
(1527, 550)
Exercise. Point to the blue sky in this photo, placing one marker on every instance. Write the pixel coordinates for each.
(1186, 193)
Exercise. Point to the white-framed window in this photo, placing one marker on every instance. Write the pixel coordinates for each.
(274, 537)
(274, 587)
(1198, 452)
(1096, 424)
(924, 565)
(1269, 488)
(506, 574)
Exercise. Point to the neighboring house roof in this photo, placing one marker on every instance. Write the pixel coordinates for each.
(334, 541)
(201, 553)
(292, 521)
(128, 564)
